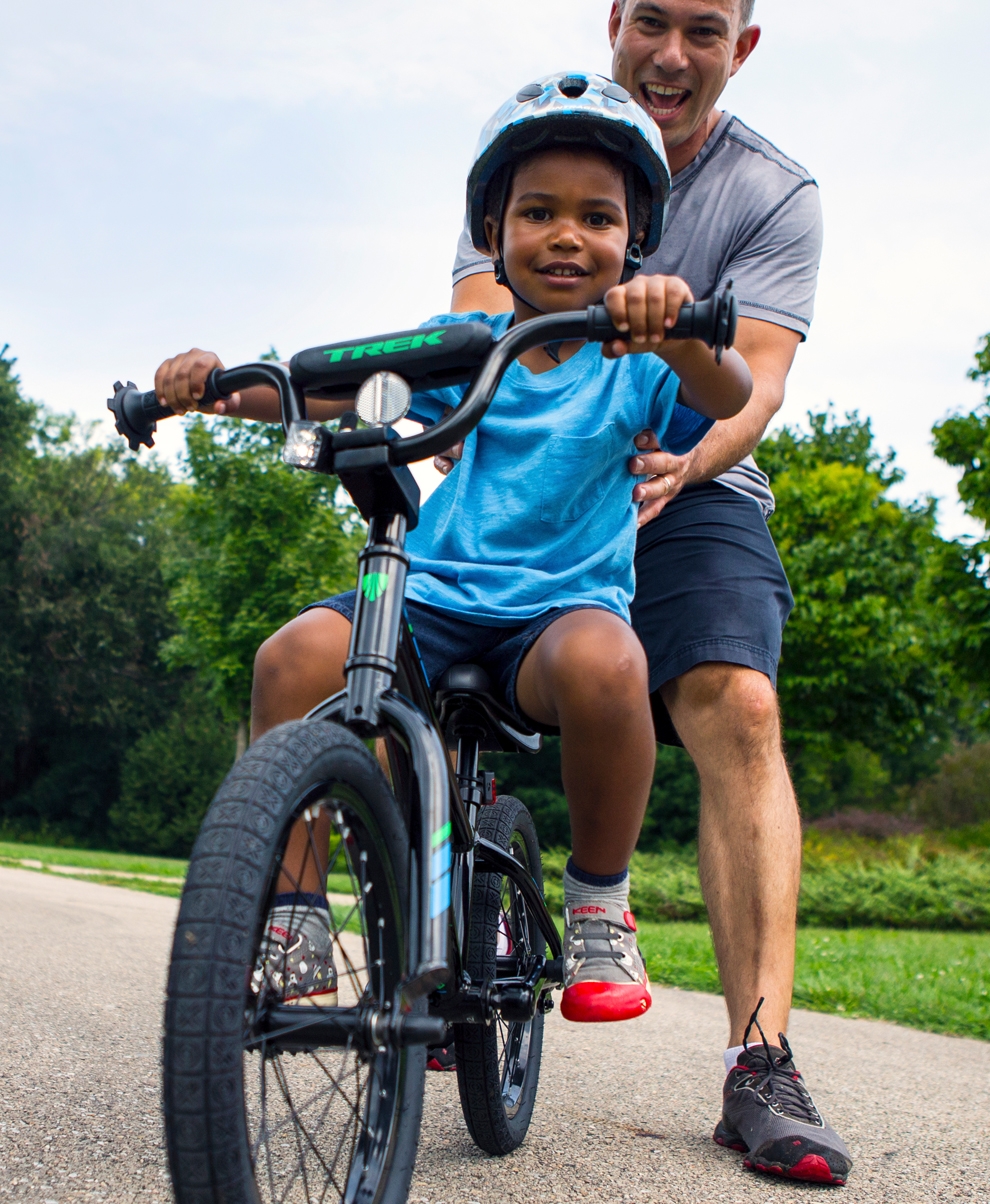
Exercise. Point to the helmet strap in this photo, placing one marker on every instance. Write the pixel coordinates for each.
(634, 254)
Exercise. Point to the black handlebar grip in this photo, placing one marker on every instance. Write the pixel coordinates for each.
(136, 414)
(713, 321)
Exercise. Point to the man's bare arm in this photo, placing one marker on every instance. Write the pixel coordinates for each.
(480, 292)
(769, 350)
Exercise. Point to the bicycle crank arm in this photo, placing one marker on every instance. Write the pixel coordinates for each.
(489, 856)
(295, 1028)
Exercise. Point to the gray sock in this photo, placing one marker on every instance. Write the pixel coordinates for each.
(578, 893)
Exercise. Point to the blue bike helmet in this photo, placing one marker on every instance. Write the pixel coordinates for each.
(573, 109)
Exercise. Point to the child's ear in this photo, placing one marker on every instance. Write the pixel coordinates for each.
(491, 233)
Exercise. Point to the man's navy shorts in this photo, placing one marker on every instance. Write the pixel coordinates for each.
(709, 587)
(443, 641)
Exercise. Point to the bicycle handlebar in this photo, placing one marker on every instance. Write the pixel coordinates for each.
(713, 321)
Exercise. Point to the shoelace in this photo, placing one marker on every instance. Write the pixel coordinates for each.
(612, 935)
(778, 1081)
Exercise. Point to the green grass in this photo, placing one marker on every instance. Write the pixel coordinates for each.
(130, 863)
(937, 981)
(340, 884)
(170, 889)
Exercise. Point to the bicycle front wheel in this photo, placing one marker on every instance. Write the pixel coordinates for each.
(247, 1119)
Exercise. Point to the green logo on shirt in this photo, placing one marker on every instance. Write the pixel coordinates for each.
(373, 585)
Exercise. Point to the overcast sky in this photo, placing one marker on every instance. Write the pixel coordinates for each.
(234, 175)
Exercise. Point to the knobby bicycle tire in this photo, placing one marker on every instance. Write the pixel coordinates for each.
(498, 1064)
(324, 1125)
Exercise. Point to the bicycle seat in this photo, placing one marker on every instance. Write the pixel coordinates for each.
(467, 706)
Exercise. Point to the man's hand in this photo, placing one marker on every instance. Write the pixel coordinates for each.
(668, 476)
(180, 383)
(769, 351)
(446, 462)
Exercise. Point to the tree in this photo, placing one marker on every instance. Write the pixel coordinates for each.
(254, 542)
(864, 679)
(84, 617)
(962, 582)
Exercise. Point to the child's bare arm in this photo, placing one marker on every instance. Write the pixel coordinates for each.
(646, 308)
(180, 383)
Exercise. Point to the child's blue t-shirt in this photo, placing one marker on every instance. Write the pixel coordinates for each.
(538, 513)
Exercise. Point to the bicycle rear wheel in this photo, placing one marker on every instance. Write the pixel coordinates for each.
(247, 1120)
(498, 1064)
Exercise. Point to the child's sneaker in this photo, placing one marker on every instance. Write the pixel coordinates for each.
(604, 974)
(441, 1057)
(296, 957)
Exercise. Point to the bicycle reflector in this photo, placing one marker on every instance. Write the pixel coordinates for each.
(383, 399)
(304, 445)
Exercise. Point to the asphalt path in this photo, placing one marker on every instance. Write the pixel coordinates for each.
(625, 1112)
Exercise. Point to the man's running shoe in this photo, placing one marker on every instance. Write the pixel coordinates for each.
(441, 1057)
(296, 957)
(604, 974)
(768, 1114)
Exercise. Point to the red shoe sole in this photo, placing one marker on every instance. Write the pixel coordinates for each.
(811, 1169)
(604, 1002)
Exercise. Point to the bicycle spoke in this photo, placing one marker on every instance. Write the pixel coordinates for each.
(300, 1128)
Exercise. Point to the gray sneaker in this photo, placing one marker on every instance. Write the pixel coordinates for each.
(604, 974)
(768, 1114)
(295, 961)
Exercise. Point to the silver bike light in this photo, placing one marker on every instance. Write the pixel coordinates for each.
(304, 444)
(383, 399)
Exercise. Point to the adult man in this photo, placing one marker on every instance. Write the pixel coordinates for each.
(712, 597)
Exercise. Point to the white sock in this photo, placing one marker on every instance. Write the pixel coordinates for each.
(731, 1055)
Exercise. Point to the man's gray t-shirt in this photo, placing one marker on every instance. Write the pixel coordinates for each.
(740, 211)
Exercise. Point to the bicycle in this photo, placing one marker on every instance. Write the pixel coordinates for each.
(433, 880)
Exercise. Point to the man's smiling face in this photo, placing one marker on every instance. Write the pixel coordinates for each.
(676, 56)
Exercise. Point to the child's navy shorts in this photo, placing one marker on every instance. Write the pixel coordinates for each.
(709, 587)
(444, 641)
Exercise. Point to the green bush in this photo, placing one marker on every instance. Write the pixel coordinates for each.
(951, 891)
(847, 882)
(169, 777)
(959, 793)
(671, 814)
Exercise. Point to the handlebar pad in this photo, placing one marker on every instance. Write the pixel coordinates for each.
(713, 321)
(136, 414)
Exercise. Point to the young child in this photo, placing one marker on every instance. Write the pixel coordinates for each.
(523, 557)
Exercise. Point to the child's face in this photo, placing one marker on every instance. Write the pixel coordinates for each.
(565, 230)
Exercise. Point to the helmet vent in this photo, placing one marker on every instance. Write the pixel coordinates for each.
(616, 92)
(530, 92)
(573, 86)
